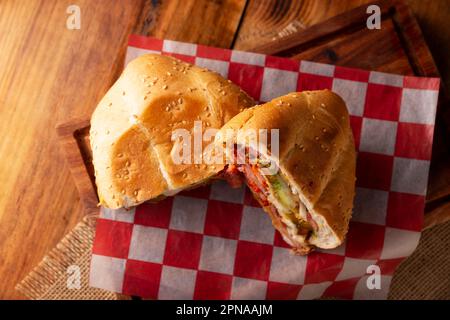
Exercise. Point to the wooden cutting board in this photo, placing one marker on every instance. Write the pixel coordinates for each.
(398, 47)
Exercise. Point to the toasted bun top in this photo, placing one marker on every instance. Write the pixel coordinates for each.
(132, 126)
(316, 154)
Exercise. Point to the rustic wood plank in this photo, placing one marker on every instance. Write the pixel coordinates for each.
(437, 215)
(347, 39)
(49, 73)
(206, 22)
(74, 142)
(432, 16)
(268, 20)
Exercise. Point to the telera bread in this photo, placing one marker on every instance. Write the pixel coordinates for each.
(131, 128)
(310, 197)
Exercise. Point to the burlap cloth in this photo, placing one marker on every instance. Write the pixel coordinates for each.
(424, 275)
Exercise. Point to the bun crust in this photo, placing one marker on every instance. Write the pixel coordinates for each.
(131, 127)
(316, 153)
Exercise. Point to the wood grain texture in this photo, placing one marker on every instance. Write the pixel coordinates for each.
(50, 74)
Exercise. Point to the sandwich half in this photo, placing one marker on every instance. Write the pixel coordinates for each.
(309, 195)
(132, 126)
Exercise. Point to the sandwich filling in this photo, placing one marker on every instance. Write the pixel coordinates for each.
(289, 215)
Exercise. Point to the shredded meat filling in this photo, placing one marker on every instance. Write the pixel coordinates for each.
(286, 221)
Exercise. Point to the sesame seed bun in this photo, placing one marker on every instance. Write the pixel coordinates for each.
(131, 128)
(316, 156)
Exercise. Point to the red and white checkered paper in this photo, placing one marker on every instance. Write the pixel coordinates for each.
(216, 243)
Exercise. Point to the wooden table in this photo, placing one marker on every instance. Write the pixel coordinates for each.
(49, 74)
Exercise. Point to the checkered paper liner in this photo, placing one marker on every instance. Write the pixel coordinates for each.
(215, 242)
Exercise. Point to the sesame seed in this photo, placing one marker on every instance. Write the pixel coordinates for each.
(316, 138)
(168, 73)
(165, 87)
